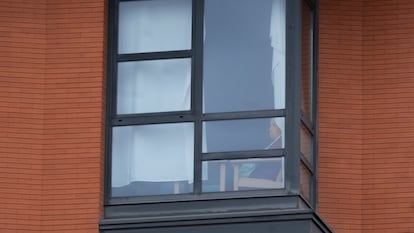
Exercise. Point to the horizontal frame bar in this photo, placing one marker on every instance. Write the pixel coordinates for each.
(307, 163)
(308, 125)
(243, 154)
(175, 117)
(154, 56)
(244, 115)
(183, 116)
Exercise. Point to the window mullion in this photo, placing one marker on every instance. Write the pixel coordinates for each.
(197, 87)
(111, 93)
(293, 87)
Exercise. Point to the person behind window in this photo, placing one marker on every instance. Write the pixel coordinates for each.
(275, 133)
(269, 169)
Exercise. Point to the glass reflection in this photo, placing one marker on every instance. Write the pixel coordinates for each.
(244, 55)
(243, 174)
(154, 86)
(246, 134)
(306, 143)
(305, 182)
(152, 159)
(154, 26)
(307, 60)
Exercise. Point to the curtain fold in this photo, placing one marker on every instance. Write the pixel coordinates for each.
(278, 42)
(157, 152)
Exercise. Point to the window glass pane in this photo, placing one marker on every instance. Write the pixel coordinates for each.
(152, 26)
(244, 55)
(306, 143)
(305, 182)
(247, 134)
(152, 159)
(154, 86)
(307, 60)
(243, 174)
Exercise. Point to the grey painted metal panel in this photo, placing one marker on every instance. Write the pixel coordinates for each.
(261, 227)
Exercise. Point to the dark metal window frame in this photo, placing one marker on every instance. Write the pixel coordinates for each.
(292, 115)
(311, 124)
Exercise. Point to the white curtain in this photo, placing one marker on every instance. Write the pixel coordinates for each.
(154, 86)
(278, 42)
(162, 153)
(152, 153)
(157, 25)
(121, 156)
(157, 152)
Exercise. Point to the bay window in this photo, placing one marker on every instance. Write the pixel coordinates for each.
(210, 103)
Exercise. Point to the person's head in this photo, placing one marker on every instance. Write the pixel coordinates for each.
(274, 129)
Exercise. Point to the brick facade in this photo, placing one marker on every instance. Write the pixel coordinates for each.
(52, 105)
(22, 72)
(366, 108)
(341, 114)
(51, 114)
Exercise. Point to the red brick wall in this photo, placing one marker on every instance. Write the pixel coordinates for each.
(51, 115)
(340, 114)
(73, 116)
(366, 115)
(388, 151)
(22, 55)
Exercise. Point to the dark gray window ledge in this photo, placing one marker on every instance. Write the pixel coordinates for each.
(269, 215)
